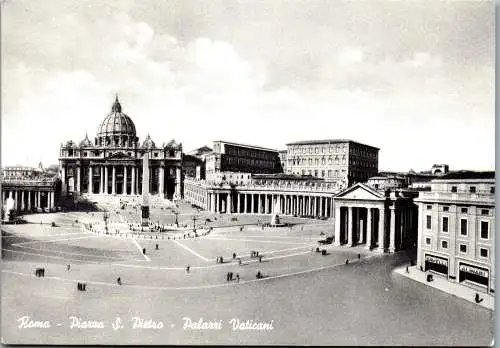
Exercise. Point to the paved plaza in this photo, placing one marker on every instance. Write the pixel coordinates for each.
(303, 298)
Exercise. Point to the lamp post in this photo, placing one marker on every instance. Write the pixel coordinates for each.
(176, 213)
(194, 218)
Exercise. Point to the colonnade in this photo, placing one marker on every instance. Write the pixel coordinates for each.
(299, 204)
(375, 225)
(26, 200)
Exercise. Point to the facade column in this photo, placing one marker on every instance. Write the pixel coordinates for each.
(229, 205)
(381, 229)
(16, 204)
(178, 182)
(245, 203)
(52, 198)
(162, 180)
(105, 180)
(392, 229)
(238, 203)
(22, 200)
(124, 180)
(321, 206)
(350, 228)
(90, 180)
(369, 229)
(216, 202)
(336, 222)
(78, 179)
(132, 186)
(113, 181)
(29, 201)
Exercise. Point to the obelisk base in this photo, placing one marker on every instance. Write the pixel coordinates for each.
(145, 215)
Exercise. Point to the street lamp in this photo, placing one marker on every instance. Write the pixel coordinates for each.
(194, 218)
(176, 213)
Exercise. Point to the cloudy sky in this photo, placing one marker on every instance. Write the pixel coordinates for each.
(414, 78)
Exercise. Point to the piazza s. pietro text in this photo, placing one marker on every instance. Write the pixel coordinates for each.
(248, 173)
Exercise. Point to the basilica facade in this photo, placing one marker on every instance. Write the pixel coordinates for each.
(111, 164)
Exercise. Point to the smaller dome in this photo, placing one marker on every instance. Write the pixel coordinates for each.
(148, 143)
(70, 143)
(86, 142)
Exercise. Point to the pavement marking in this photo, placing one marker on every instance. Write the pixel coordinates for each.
(70, 253)
(199, 287)
(64, 258)
(191, 251)
(89, 235)
(146, 257)
(255, 240)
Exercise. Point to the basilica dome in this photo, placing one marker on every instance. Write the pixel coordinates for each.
(117, 129)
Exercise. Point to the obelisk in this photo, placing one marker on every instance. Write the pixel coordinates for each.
(145, 190)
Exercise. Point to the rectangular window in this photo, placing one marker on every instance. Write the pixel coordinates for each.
(485, 212)
(445, 224)
(428, 241)
(429, 207)
(429, 222)
(484, 229)
(463, 248)
(463, 227)
(444, 244)
(463, 210)
(483, 252)
(446, 208)
(492, 189)
(472, 189)
(453, 189)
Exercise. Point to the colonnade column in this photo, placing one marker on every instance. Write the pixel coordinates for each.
(392, 229)
(16, 205)
(350, 228)
(252, 203)
(101, 180)
(212, 203)
(162, 179)
(52, 199)
(90, 180)
(29, 200)
(229, 205)
(266, 204)
(369, 229)
(63, 174)
(381, 229)
(132, 188)
(78, 179)
(320, 206)
(22, 200)
(105, 180)
(259, 203)
(216, 202)
(238, 203)
(113, 181)
(124, 190)
(337, 226)
(245, 203)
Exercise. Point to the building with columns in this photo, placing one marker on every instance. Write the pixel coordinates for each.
(110, 165)
(456, 229)
(31, 193)
(333, 160)
(297, 196)
(385, 221)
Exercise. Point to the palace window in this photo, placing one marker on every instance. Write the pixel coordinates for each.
(492, 189)
(322, 173)
(485, 212)
(429, 222)
(463, 248)
(484, 229)
(445, 224)
(483, 252)
(463, 210)
(429, 207)
(444, 244)
(428, 241)
(446, 208)
(323, 161)
(453, 189)
(472, 189)
(463, 227)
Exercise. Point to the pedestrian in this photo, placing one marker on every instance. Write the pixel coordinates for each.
(407, 269)
(227, 276)
(346, 261)
(359, 256)
(119, 281)
(239, 261)
(157, 246)
(234, 256)
(68, 267)
(237, 277)
(260, 258)
(188, 268)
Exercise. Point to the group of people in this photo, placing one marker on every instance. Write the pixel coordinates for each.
(229, 276)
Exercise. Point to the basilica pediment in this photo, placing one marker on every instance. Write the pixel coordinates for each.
(360, 191)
